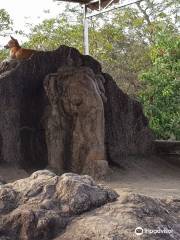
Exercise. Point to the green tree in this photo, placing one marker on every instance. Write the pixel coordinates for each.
(5, 25)
(121, 49)
(161, 92)
(5, 22)
(66, 29)
(120, 40)
(54, 32)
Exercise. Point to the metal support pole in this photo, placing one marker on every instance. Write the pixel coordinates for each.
(86, 32)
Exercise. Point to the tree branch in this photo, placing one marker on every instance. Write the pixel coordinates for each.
(146, 16)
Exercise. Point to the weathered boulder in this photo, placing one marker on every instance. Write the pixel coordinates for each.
(40, 206)
(26, 108)
(154, 219)
(46, 206)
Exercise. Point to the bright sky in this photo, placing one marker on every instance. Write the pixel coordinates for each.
(29, 11)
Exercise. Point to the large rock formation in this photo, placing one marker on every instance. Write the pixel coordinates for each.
(59, 119)
(40, 207)
(127, 131)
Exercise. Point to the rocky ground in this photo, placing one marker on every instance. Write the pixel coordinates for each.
(149, 199)
(118, 220)
(41, 206)
(153, 177)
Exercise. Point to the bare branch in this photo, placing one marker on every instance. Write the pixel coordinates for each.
(146, 16)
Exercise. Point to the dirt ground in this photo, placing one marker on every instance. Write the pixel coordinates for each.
(154, 177)
(10, 174)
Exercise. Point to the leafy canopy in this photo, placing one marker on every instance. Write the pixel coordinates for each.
(5, 25)
(161, 86)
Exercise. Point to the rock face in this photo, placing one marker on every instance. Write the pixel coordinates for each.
(75, 122)
(118, 220)
(42, 205)
(51, 113)
(127, 131)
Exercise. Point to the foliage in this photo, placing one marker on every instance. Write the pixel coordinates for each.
(53, 32)
(161, 92)
(3, 55)
(5, 22)
(115, 44)
(5, 25)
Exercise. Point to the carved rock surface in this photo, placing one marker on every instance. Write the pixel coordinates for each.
(25, 139)
(40, 206)
(75, 123)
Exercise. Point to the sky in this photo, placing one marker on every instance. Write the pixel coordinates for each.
(29, 11)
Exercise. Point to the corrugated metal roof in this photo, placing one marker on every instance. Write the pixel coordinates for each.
(92, 4)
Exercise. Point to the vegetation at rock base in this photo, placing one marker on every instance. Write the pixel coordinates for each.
(137, 45)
